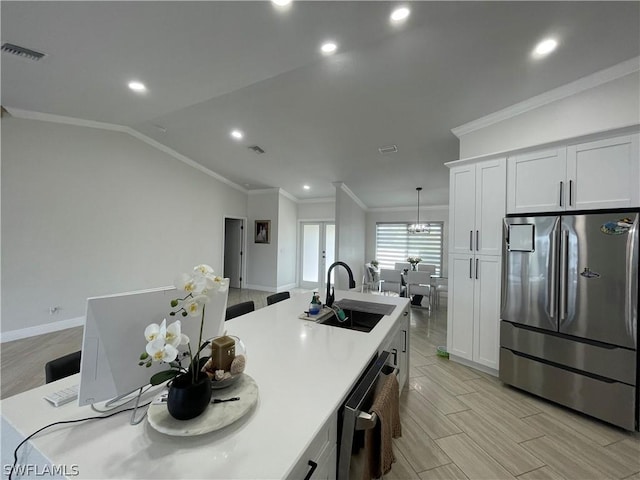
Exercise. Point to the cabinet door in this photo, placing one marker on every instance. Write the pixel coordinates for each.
(462, 184)
(536, 181)
(460, 308)
(490, 206)
(604, 174)
(486, 299)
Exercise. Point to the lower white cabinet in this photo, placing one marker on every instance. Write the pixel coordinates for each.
(474, 308)
(320, 460)
(397, 343)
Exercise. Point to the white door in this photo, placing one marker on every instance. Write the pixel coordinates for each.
(462, 204)
(460, 307)
(317, 252)
(490, 202)
(486, 327)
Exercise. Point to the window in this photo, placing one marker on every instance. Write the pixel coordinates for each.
(395, 244)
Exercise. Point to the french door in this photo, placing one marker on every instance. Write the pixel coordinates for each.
(317, 253)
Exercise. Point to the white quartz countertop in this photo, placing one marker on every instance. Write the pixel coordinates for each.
(303, 371)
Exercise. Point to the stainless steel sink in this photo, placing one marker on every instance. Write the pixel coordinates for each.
(361, 316)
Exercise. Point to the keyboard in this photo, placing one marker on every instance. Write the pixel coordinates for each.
(63, 396)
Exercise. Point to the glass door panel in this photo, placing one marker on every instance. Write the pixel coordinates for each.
(317, 249)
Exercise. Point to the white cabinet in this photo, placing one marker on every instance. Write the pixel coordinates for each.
(476, 203)
(477, 206)
(397, 344)
(474, 308)
(320, 459)
(585, 176)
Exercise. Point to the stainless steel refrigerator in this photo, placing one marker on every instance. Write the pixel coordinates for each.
(569, 311)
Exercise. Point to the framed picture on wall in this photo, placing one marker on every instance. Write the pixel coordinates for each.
(263, 231)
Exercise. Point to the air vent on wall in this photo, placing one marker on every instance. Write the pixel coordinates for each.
(256, 149)
(21, 51)
(388, 149)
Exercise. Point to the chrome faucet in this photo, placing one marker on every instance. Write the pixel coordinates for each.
(330, 295)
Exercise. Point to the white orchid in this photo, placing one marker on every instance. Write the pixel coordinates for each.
(163, 341)
(159, 351)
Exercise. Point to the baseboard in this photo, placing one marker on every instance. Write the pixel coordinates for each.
(477, 366)
(41, 329)
(259, 287)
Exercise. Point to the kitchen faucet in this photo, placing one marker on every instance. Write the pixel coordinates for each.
(330, 295)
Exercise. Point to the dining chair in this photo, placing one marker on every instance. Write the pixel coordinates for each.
(402, 266)
(277, 297)
(441, 290)
(419, 283)
(62, 367)
(425, 267)
(239, 309)
(370, 278)
(391, 281)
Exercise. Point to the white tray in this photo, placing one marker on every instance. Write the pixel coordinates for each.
(215, 417)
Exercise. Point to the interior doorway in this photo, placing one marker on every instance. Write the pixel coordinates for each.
(234, 248)
(317, 252)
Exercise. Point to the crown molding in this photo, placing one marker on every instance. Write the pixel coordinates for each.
(347, 190)
(318, 200)
(591, 81)
(262, 191)
(286, 194)
(80, 122)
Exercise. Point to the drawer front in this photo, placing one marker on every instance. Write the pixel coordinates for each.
(614, 363)
(612, 402)
(323, 443)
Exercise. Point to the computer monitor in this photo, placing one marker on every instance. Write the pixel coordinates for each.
(114, 339)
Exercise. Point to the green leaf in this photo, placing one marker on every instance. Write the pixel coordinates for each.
(144, 356)
(162, 377)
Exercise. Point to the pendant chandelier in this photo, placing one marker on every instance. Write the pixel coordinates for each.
(418, 227)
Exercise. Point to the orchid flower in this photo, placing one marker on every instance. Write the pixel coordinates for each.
(173, 335)
(161, 351)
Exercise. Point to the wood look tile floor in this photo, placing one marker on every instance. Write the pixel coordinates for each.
(458, 422)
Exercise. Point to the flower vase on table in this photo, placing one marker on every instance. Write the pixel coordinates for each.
(190, 387)
(414, 261)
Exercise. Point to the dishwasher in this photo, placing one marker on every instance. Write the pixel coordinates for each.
(355, 414)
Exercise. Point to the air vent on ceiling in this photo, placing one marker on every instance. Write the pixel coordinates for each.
(388, 149)
(256, 149)
(21, 51)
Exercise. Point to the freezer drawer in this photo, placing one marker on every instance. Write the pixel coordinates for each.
(612, 402)
(610, 362)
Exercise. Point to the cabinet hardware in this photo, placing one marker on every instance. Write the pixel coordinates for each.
(476, 269)
(471, 268)
(570, 192)
(394, 352)
(471, 240)
(404, 348)
(477, 240)
(405, 314)
(561, 192)
(313, 466)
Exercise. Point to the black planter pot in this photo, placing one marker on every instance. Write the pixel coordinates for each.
(187, 400)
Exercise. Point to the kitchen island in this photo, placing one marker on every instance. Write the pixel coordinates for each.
(304, 372)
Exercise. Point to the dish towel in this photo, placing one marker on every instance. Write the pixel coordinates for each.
(378, 447)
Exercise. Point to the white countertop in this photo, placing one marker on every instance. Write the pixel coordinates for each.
(303, 370)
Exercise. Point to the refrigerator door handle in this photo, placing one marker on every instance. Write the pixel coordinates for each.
(553, 267)
(564, 267)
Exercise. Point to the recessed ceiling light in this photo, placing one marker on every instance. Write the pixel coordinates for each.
(281, 3)
(237, 134)
(137, 86)
(545, 47)
(328, 48)
(306, 187)
(400, 14)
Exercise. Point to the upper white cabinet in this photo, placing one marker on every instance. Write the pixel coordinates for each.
(594, 175)
(476, 207)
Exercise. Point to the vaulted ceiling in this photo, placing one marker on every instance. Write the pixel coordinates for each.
(210, 67)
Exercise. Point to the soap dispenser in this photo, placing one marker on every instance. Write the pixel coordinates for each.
(315, 306)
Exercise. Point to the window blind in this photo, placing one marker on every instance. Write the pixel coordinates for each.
(395, 244)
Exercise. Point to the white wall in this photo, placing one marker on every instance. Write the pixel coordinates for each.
(350, 237)
(287, 243)
(427, 214)
(612, 105)
(317, 211)
(89, 212)
(262, 258)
